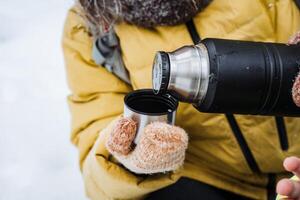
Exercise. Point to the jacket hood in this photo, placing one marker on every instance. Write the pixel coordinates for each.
(101, 15)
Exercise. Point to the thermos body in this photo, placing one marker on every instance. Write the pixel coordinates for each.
(251, 78)
(238, 77)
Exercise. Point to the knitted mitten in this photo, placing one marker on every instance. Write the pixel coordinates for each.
(295, 39)
(296, 91)
(161, 147)
(296, 87)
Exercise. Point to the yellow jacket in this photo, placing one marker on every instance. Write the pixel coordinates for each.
(214, 155)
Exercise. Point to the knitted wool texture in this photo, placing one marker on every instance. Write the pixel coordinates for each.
(161, 148)
(295, 39)
(296, 86)
(296, 91)
(122, 136)
(102, 14)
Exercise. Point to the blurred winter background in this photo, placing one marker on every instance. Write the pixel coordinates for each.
(37, 161)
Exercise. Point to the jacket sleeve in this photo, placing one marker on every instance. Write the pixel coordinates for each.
(96, 101)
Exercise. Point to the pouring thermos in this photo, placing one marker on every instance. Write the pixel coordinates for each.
(230, 76)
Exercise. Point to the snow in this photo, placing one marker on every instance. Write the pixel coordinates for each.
(37, 160)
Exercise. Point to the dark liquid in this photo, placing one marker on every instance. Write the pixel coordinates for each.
(150, 106)
(147, 102)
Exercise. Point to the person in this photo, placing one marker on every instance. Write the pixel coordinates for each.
(290, 188)
(227, 157)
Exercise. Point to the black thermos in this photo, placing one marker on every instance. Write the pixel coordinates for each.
(230, 76)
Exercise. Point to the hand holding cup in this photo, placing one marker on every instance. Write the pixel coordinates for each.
(145, 140)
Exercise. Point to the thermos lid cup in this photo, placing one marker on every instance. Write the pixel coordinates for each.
(144, 107)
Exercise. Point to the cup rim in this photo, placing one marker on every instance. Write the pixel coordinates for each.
(149, 92)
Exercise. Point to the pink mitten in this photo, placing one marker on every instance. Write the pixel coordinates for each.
(295, 39)
(161, 147)
(296, 91)
(296, 87)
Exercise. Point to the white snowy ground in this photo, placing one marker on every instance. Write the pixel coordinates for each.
(37, 161)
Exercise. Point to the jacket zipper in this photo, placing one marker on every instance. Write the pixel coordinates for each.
(281, 129)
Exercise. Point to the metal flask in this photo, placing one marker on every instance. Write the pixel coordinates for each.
(144, 107)
(231, 76)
